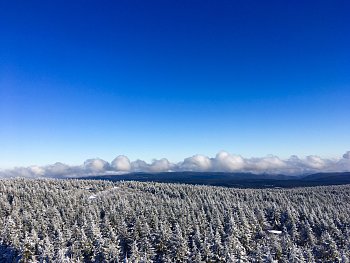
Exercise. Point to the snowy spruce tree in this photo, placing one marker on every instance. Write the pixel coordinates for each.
(101, 221)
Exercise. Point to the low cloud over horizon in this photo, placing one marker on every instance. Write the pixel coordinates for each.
(222, 162)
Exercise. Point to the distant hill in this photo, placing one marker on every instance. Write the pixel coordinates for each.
(328, 176)
(239, 180)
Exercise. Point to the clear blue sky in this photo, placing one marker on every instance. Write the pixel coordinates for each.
(152, 79)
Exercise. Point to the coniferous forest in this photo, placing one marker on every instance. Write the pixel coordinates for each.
(102, 221)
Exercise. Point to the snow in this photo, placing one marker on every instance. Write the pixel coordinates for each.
(277, 232)
(92, 197)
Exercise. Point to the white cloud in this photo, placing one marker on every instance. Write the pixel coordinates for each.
(96, 165)
(342, 165)
(227, 162)
(315, 162)
(30, 172)
(269, 163)
(121, 163)
(139, 166)
(197, 162)
(346, 155)
(162, 165)
(222, 162)
(58, 168)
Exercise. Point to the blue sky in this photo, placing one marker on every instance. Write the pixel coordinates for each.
(153, 79)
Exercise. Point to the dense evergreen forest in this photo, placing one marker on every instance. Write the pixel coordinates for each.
(102, 221)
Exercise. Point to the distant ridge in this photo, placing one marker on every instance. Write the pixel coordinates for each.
(238, 180)
(345, 176)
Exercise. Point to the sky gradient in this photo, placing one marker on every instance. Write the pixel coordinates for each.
(154, 79)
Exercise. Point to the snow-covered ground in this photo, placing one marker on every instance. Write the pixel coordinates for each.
(276, 232)
(92, 196)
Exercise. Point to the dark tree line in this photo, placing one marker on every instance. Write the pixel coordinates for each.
(100, 221)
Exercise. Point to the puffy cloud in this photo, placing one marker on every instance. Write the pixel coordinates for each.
(222, 162)
(196, 163)
(121, 163)
(58, 168)
(268, 164)
(315, 162)
(30, 172)
(139, 166)
(346, 155)
(96, 165)
(37, 170)
(227, 162)
(162, 165)
(343, 164)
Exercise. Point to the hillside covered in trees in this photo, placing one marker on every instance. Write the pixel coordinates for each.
(102, 221)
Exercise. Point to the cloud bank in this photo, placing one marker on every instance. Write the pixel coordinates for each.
(222, 162)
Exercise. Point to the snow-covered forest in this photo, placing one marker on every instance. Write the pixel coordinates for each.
(101, 221)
